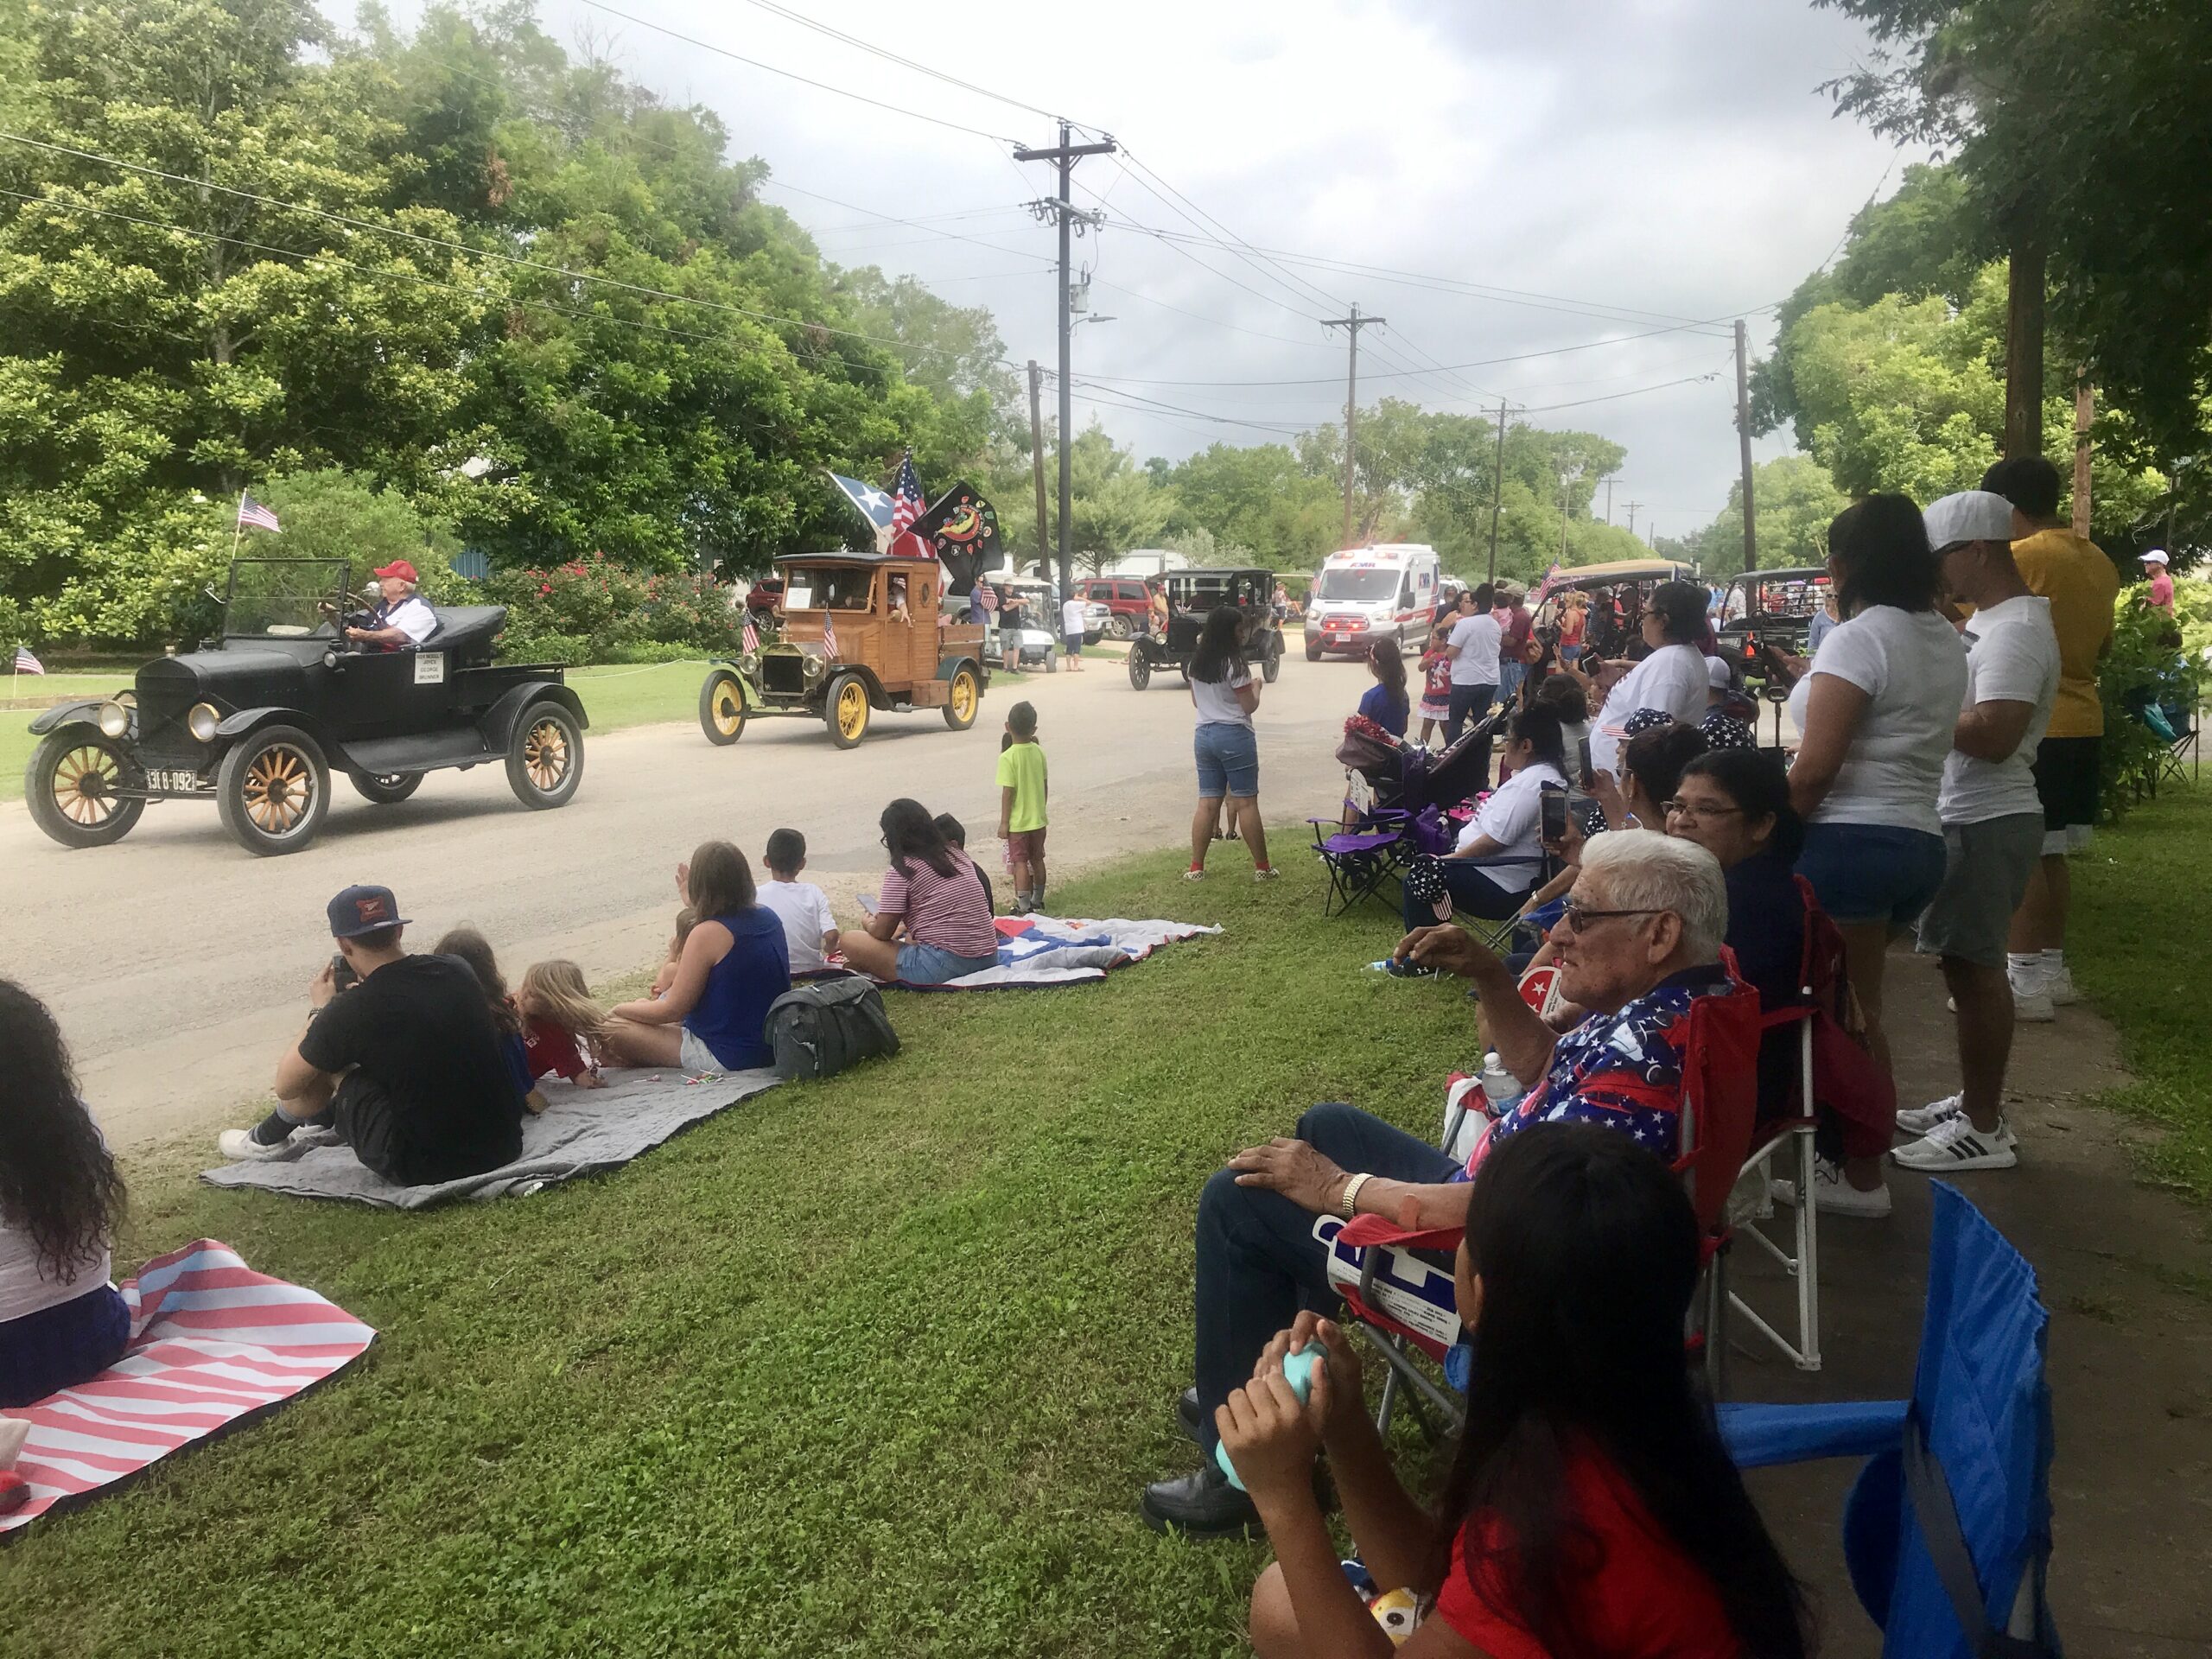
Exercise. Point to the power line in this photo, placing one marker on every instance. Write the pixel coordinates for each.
(905, 65)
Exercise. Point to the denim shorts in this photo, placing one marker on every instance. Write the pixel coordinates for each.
(1072, 644)
(933, 964)
(1865, 872)
(1229, 760)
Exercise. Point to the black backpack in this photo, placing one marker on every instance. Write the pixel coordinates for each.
(820, 1027)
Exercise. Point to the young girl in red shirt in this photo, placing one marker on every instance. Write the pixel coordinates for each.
(1590, 1509)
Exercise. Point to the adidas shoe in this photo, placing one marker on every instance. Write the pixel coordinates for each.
(1956, 1144)
(1917, 1121)
(1832, 1195)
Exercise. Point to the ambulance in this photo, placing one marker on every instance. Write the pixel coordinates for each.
(1373, 592)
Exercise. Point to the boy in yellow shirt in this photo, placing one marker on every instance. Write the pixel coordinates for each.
(1022, 790)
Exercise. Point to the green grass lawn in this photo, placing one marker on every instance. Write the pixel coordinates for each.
(876, 1365)
(2142, 908)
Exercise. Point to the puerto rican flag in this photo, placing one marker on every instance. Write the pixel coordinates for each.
(906, 506)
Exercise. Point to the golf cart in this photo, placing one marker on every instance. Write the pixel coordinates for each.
(257, 720)
(1775, 606)
(860, 633)
(1190, 595)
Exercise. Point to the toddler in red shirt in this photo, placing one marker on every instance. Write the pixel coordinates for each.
(560, 1024)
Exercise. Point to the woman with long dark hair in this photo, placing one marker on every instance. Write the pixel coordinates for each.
(931, 892)
(1227, 748)
(733, 965)
(60, 1199)
(1590, 1509)
(1505, 835)
(1384, 703)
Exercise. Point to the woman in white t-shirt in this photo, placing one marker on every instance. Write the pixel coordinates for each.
(1226, 747)
(60, 1196)
(1672, 679)
(1499, 857)
(1875, 713)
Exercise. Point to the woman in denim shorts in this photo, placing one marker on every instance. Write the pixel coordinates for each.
(1226, 746)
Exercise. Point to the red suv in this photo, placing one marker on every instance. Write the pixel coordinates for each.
(1126, 598)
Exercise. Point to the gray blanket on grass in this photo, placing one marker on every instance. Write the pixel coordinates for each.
(582, 1132)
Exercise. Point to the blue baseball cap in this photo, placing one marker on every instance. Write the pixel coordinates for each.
(361, 910)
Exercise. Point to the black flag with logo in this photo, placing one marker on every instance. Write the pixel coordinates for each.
(963, 530)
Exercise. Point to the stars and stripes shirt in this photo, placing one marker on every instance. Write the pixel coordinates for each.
(1623, 1069)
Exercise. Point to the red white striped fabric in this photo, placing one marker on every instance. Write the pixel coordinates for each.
(211, 1340)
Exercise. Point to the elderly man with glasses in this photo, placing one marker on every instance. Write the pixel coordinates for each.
(1639, 942)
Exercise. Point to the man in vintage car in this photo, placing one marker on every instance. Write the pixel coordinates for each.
(404, 619)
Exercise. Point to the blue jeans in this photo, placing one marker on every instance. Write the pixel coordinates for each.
(1468, 702)
(1864, 873)
(1259, 1262)
(61, 1346)
(1510, 676)
(933, 964)
(1229, 760)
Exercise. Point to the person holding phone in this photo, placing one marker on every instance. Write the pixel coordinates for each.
(1505, 835)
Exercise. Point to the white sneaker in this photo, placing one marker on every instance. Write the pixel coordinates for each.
(238, 1147)
(1917, 1121)
(2033, 1007)
(1266, 873)
(1956, 1144)
(2058, 985)
(1832, 1195)
(1194, 873)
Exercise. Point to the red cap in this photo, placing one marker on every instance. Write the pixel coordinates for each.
(398, 568)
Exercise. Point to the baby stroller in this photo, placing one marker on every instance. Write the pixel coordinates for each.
(1410, 787)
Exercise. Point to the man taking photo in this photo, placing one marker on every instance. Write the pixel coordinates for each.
(404, 1066)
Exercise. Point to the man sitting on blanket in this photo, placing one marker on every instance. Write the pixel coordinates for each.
(1641, 939)
(404, 1066)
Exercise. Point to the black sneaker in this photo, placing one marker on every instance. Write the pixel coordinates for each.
(1202, 1503)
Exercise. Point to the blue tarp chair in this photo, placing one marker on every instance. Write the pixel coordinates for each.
(1947, 1532)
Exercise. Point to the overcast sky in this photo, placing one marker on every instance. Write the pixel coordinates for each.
(1651, 161)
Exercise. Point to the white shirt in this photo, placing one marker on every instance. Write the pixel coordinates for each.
(1513, 816)
(25, 1285)
(1672, 679)
(1474, 641)
(1913, 669)
(1216, 700)
(2011, 657)
(1072, 620)
(413, 617)
(804, 909)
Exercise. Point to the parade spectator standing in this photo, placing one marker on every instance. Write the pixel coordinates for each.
(1023, 791)
(2082, 584)
(1226, 746)
(1993, 824)
(2161, 596)
(61, 1322)
(1476, 640)
(1672, 679)
(1573, 623)
(1436, 681)
(1823, 622)
(1513, 645)
(1876, 711)
(810, 930)
(1072, 627)
(405, 1065)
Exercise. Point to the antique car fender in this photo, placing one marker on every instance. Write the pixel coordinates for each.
(69, 714)
(233, 726)
(948, 666)
(499, 721)
(817, 694)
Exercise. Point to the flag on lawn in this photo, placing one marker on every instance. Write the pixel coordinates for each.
(27, 663)
(829, 635)
(874, 506)
(906, 508)
(751, 634)
(253, 515)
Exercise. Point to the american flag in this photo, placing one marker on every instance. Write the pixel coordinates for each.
(27, 663)
(829, 635)
(751, 634)
(253, 515)
(908, 507)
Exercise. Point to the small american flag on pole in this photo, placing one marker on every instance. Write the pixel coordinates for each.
(829, 635)
(253, 515)
(906, 496)
(27, 663)
(752, 637)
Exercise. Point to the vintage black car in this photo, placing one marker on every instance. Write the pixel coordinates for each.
(257, 720)
(1190, 595)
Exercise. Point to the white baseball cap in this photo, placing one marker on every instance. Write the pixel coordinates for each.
(1969, 515)
(1717, 674)
(2155, 555)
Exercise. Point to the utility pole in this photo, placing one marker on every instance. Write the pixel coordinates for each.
(1609, 501)
(1632, 507)
(2085, 411)
(1037, 469)
(1497, 491)
(2024, 325)
(1352, 325)
(1563, 499)
(1743, 443)
(1064, 155)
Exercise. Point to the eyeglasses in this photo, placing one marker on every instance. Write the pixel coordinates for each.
(1681, 808)
(1578, 918)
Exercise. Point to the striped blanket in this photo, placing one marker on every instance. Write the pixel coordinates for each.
(212, 1342)
(1035, 951)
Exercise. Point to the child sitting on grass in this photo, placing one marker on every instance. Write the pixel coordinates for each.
(561, 1023)
(1022, 788)
(810, 930)
(685, 919)
(467, 945)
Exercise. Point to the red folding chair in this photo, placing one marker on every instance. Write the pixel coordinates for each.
(1397, 1281)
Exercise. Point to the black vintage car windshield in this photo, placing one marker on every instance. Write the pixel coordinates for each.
(287, 598)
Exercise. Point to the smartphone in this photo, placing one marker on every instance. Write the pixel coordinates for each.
(1582, 758)
(1553, 809)
(342, 976)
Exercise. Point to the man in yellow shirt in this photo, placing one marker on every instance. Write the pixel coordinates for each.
(2082, 584)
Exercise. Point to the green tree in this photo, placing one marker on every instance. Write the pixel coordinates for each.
(1257, 497)
(1795, 500)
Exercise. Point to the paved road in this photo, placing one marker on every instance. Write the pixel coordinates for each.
(178, 963)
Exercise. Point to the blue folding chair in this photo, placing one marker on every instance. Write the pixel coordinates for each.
(1947, 1532)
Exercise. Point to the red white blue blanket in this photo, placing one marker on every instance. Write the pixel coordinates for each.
(1046, 950)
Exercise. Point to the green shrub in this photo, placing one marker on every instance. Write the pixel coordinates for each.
(2145, 665)
(597, 610)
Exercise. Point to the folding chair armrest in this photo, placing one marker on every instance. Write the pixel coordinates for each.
(1758, 1436)
(1370, 1228)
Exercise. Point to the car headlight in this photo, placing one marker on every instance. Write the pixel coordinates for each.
(201, 719)
(749, 664)
(814, 667)
(114, 720)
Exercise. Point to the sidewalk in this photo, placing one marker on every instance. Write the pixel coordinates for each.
(2124, 1269)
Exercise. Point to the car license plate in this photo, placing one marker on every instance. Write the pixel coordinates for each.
(164, 778)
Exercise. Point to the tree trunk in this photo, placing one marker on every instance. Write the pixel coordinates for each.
(2085, 412)
(2023, 313)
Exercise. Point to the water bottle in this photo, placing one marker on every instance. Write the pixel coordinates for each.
(1500, 1087)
